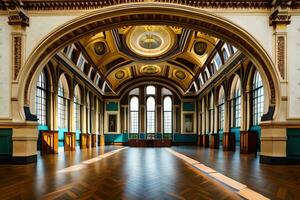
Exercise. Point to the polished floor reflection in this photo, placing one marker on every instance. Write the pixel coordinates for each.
(272, 181)
(132, 173)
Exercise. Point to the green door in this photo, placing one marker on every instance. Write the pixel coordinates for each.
(5, 142)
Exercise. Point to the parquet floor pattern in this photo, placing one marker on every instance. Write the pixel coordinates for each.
(133, 173)
(273, 181)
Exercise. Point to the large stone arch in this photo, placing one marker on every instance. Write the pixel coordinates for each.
(148, 13)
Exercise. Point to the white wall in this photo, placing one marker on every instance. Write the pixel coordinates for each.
(5, 67)
(293, 67)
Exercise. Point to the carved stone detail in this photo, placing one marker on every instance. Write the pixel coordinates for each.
(281, 55)
(17, 56)
(18, 17)
(280, 16)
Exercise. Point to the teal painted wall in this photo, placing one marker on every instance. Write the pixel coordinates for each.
(221, 135)
(123, 137)
(258, 130)
(190, 138)
(6, 142)
(112, 106)
(236, 131)
(293, 142)
(40, 129)
(188, 106)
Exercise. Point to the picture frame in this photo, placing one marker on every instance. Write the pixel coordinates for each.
(188, 125)
(112, 123)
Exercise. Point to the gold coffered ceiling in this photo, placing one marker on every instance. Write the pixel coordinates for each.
(165, 52)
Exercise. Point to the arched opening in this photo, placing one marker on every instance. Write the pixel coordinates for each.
(184, 75)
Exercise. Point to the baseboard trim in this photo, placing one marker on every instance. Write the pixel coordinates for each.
(20, 160)
(280, 160)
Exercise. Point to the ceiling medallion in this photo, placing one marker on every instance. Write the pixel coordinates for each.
(200, 48)
(150, 69)
(180, 75)
(99, 48)
(120, 74)
(150, 41)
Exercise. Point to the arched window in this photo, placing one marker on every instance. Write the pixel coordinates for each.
(88, 113)
(134, 114)
(62, 108)
(167, 115)
(41, 99)
(150, 114)
(211, 113)
(225, 54)
(236, 104)
(257, 98)
(221, 109)
(217, 61)
(77, 108)
(150, 90)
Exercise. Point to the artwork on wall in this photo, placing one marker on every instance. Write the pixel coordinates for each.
(112, 123)
(188, 123)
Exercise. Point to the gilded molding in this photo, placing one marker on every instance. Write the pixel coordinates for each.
(17, 56)
(18, 17)
(281, 55)
(280, 16)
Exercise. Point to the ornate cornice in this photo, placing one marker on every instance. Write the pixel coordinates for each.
(18, 17)
(39, 5)
(94, 4)
(280, 16)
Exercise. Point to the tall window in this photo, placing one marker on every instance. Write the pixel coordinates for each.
(41, 99)
(61, 106)
(150, 115)
(134, 114)
(221, 109)
(211, 113)
(77, 109)
(225, 54)
(167, 114)
(236, 104)
(257, 98)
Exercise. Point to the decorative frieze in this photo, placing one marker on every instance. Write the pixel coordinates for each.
(18, 17)
(94, 4)
(281, 55)
(280, 16)
(17, 55)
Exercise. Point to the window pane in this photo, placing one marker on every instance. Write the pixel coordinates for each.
(167, 104)
(134, 115)
(257, 98)
(150, 104)
(150, 90)
(40, 99)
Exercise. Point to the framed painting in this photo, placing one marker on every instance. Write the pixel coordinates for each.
(188, 124)
(112, 123)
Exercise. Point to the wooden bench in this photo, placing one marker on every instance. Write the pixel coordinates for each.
(228, 141)
(70, 141)
(49, 141)
(249, 142)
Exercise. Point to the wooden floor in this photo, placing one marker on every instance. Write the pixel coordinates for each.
(273, 181)
(133, 173)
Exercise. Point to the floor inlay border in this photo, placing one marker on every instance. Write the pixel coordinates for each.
(239, 188)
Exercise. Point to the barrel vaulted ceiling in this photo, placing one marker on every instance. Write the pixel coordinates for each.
(173, 54)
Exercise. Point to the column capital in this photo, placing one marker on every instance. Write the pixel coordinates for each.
(18, 17)
(280, 16)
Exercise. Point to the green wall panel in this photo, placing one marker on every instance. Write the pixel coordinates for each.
(188, 106)
(190, 138)
(112, 106)
(123, 137)
(236, 131)
(293, 142)
(6, 141)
